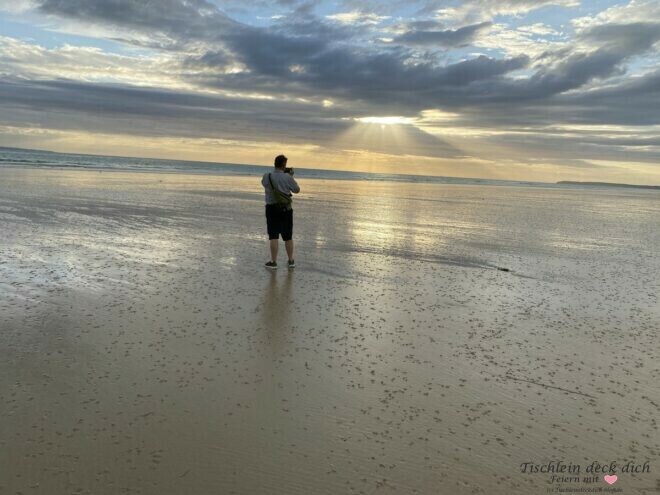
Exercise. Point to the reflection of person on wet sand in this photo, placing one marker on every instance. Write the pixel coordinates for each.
(275, 308)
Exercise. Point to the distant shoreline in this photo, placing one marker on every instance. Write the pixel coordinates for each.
(605, 184)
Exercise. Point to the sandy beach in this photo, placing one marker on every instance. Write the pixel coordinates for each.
(145, 349)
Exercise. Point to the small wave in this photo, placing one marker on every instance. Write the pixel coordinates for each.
(12, 160)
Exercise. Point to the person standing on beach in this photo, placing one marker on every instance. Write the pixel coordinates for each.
(279, 186)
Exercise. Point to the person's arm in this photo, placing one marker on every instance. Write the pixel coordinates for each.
(264, 180)
(293, 185)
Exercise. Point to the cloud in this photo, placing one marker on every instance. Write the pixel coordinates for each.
(573, 67)
(270, 53)
(628, 39)
(27, 60)
(636, 101)
(356, 17)
(167, 24)
(110, 108)
(538, 28)
(473, 10)
(16, 6)
(169, 15)
(629, 13)
(377, 80)
(518, 41)
(634, 105)
(312, 58)
(115, 109)
(443, 38)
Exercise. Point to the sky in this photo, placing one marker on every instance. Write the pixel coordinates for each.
(540, 90)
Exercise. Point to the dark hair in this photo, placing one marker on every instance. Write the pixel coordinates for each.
(280, 161)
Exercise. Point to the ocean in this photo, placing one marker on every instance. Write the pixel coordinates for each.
(12, 157)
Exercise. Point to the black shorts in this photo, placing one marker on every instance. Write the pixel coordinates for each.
(279, 221)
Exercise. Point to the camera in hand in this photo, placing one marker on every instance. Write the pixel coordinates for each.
(288, 170)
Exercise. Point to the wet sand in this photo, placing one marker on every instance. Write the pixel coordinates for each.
(146, 351)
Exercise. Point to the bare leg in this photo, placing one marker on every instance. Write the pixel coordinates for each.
(289, 249)
(274, 245)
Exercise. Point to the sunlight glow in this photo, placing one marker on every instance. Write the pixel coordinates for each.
(386, 120)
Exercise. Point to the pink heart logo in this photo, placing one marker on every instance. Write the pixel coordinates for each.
(610, 480)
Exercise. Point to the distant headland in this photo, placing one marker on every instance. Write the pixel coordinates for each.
(606, 184)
